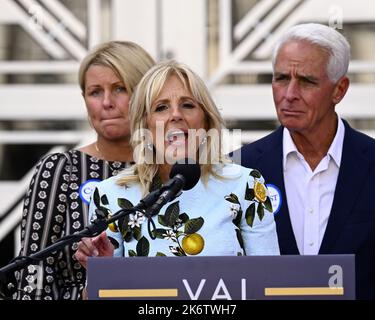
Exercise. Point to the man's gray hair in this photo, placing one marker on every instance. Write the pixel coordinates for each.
(326, 38)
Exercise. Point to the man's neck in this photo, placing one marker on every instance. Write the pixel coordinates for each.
(314, 145)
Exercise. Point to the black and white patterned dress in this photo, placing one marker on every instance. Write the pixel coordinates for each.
(56, 204)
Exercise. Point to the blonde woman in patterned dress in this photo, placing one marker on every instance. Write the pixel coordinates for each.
(228, 212)
(57, 200)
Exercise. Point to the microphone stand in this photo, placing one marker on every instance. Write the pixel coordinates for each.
(18, 263)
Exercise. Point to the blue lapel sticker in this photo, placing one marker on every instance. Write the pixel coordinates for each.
(86, 190)
(275, 196)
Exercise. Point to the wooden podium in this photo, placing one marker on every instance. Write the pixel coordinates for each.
(222, 278)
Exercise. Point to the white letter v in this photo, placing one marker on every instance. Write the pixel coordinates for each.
(199, 290)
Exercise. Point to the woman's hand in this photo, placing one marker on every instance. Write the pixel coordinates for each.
(99, 246)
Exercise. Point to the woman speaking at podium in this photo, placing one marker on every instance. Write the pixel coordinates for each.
(227, 213)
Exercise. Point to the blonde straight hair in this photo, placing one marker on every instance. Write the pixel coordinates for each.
(146, 93)
(127, 59)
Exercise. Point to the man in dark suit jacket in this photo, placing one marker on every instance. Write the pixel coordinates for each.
(310, 64)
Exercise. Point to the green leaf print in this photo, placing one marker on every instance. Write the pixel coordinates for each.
(268, 204)
(193, 225)
(128, 236)
(249, 193)
(160, 254)
(237, 219)
(123, 225)
(183, 217)
(239, 238)
(161, 220)
(260, 211)
(232, 198)
(256, 174)
(104, 200)
(114, 242)
(143, 247)
(132, 253)
(96, 198)
(137, 233)
(171, 214)
(124, 203)
(250, 214)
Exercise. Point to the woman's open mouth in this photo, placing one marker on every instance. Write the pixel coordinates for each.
(176, 137)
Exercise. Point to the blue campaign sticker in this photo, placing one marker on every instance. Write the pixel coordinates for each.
(275, 196)
(86, 189)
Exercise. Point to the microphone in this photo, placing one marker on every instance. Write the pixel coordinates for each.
(183, 176)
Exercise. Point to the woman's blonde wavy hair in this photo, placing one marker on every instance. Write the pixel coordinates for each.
(144, 96)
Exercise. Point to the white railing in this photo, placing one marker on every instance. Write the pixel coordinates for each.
(62, 36)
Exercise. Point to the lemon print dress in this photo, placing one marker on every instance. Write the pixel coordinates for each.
(223, 217)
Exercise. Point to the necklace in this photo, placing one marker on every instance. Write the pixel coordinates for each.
(97, 150)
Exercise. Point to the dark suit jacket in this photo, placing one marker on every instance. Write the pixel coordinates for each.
(351, 225)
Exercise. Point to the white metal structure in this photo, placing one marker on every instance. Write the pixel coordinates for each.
(176, 29)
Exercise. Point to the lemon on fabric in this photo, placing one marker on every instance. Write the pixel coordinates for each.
(193, 244)
(112, 226)
(260, 191)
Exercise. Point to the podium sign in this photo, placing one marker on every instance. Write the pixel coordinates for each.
(214, 278)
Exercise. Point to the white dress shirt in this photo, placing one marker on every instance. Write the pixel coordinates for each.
(310, 193)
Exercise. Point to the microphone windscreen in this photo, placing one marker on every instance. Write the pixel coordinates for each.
(190, 170)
